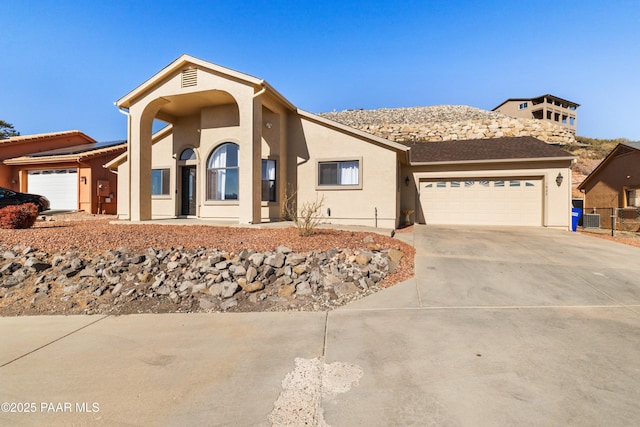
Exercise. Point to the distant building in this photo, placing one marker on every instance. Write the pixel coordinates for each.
(65, 167)
(615, 184)
(546, 107)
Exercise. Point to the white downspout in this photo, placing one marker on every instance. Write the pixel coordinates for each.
(261, 91)
(126, 113)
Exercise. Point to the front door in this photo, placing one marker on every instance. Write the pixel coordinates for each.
(188, 190)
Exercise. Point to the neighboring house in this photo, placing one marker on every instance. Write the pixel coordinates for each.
(546, 107)
(614, 183)
(235, 147)
(66, 167)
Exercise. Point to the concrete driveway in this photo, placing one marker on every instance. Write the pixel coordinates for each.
(501, 326)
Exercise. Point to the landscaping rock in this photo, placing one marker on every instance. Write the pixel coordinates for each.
(303, 288)
(229, 289)
(345, 288)
(363, 259)
(252, 287)
(395, 255)
(286, 290)
(195, 279)
(276, 260)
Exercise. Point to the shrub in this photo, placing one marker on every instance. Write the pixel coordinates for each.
(307, 218)
(594, 148)
(18, 216)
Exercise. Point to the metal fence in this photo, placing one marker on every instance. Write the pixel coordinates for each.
(614, 219)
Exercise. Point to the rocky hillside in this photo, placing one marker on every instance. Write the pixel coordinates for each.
(447, 122)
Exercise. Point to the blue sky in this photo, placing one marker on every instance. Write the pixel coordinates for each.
(64, 63)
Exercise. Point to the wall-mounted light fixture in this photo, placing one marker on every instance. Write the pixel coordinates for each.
(14, 181)
(268, 125)
(407, 181)
(83, 179)
(559, 179)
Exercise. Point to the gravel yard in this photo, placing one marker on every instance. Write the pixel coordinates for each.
(624, 237)
(92, 237)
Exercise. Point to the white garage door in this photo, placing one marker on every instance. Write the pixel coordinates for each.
(482, 201)
(60, 186)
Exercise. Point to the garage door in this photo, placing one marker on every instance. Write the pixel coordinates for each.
(482, 201)
(60, 186)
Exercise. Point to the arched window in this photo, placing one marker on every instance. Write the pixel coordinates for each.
(222, 173)
(188, 154)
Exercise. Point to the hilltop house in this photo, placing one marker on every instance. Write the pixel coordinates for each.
(545, 107)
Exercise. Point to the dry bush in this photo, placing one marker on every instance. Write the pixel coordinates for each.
(584, 166)
(18, 216)
(307, 217)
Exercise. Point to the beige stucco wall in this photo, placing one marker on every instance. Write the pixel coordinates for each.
(274, 143)
(512, 108)
(159, 102)
(162, 158)
(313, 142)
(204, 132)
(123, 190)
(556, 203)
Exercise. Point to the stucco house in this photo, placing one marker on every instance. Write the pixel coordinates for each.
(615, 183)
(544, 107)
(499, 181)
(65, 167)
(234, 147)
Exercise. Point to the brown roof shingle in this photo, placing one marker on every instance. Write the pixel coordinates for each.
(523, 147)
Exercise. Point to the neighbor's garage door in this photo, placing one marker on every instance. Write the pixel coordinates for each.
(482, 201)
(60, 186)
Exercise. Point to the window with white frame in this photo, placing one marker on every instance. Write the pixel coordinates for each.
(523, 105)
(268, 180)
(339, 173)
(223, 173)
(160, 182)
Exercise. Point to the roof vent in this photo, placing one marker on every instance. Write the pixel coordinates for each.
(189, 77)
(622, 150)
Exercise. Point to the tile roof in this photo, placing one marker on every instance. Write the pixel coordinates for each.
(78, 149)
(512, 148)
(39, 136)
(75, 153)
(632, 144)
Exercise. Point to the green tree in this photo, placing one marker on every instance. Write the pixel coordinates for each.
(7, 130)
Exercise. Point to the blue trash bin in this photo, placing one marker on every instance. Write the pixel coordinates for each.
(576, 213)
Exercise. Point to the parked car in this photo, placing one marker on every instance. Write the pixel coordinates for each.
(9, 197)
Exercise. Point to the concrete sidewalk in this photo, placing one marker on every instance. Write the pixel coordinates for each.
(511, 326)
